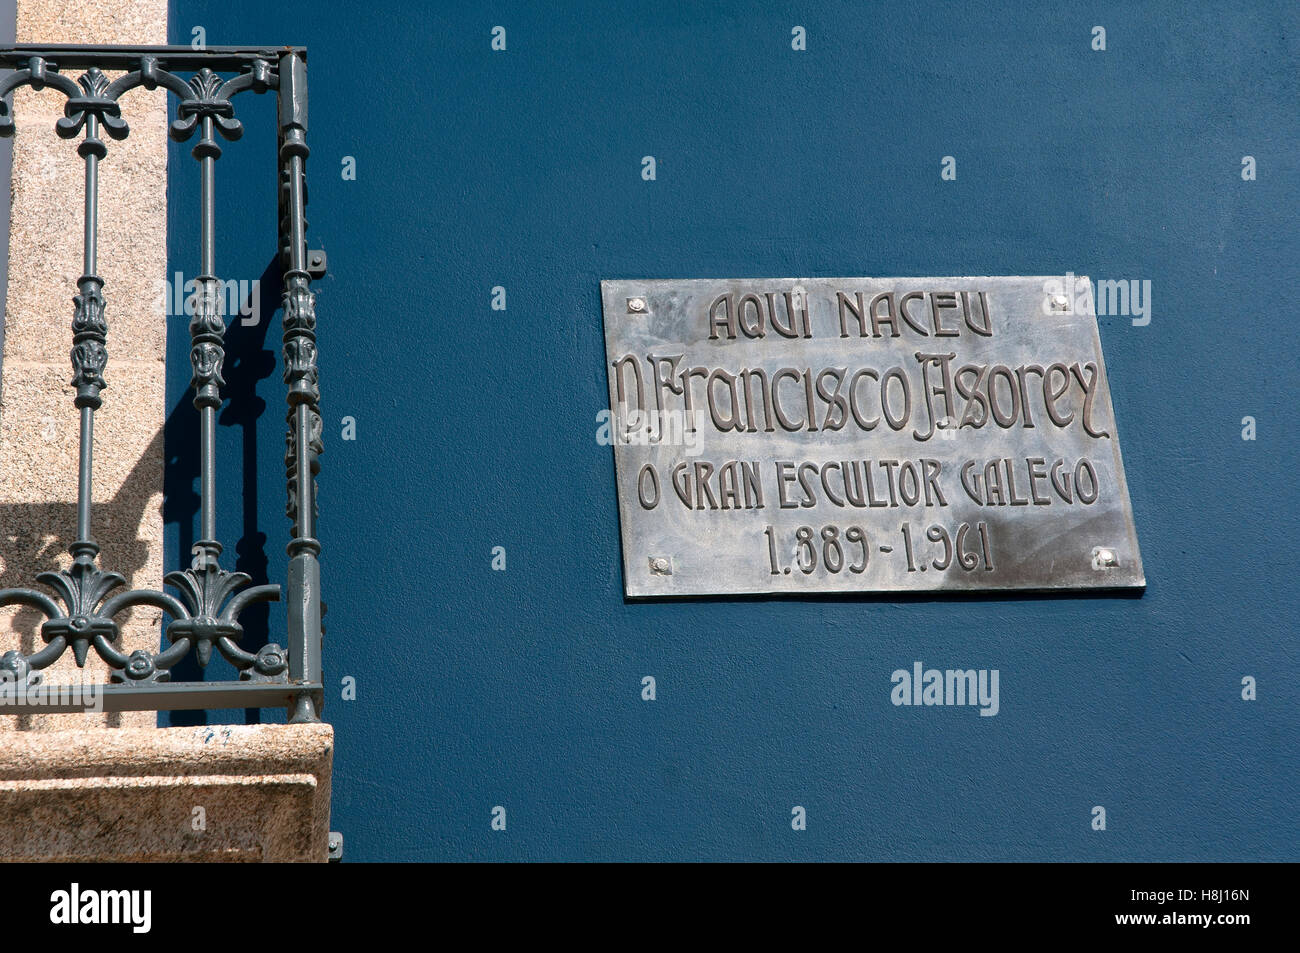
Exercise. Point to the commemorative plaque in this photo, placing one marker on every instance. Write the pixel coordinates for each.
(815, 435)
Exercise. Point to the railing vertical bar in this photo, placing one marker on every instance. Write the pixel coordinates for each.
(207, 333)
(303, 583)
(88, 339)
(90, 245)
(84, 475)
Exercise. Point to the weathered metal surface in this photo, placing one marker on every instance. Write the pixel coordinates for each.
(864, 434)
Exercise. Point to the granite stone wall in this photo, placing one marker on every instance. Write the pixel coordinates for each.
(38, 422)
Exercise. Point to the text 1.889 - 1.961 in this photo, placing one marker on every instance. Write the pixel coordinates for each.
(838, 549)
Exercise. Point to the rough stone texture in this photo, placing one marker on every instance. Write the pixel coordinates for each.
(107, 22)
(48, 183)
(131, 794)
(38, 422)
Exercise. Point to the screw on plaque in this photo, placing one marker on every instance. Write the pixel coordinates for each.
(1104, 558)
(637, 306)
(317, 264)
(335, 847)
(1060, 303)
(661, 565)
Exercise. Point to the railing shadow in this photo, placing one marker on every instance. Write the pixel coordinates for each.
(247, 362)
(34, 538)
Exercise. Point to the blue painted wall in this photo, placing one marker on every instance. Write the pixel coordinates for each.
(477, 429)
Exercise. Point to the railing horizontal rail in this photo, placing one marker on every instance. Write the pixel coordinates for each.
(163, 696)
(217, 58)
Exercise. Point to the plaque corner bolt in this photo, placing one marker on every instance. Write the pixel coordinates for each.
(637, 306)
(1059, 302)
(335, 847)
(661, 565)
(1103, 557)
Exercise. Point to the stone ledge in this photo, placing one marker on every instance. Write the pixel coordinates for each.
(130, 794)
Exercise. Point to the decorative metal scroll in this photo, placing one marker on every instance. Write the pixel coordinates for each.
(205, 612)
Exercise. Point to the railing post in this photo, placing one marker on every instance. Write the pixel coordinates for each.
(304, 437)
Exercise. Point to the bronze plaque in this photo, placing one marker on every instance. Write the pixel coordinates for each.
(815, 435)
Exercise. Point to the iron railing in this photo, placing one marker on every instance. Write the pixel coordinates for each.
(205, 611)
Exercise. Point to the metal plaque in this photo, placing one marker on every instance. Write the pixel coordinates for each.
(814, 435)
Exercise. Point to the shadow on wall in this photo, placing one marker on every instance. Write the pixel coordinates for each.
(37, 535)
(247, 362)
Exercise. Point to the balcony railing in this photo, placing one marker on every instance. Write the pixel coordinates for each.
(84, 600)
